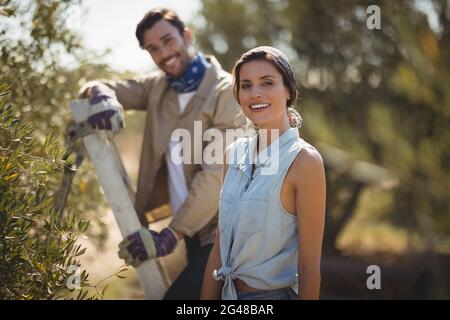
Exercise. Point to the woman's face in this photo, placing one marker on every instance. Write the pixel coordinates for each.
(262, 95)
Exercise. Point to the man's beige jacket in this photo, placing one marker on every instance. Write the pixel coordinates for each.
(215, 106)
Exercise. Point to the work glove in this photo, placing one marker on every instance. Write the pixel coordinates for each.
(106, 112)
(146, 244)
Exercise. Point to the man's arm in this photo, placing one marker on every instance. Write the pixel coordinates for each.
(132, 94)
(202, 202)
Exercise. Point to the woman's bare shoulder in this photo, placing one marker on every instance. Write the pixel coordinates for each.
(308, 163)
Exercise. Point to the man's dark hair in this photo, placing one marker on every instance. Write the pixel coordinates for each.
(152, 17)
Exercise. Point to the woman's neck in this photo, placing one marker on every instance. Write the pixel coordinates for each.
(265, 132)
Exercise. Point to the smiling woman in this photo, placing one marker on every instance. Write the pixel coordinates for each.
(270, 225)
(258, 76)
(262, 94)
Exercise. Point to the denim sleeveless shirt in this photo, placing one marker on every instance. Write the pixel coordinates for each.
(258, 237)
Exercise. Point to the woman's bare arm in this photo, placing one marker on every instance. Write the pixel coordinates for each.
(310, 197)
(211, 288)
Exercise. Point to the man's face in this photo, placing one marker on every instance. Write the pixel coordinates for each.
(168, 48)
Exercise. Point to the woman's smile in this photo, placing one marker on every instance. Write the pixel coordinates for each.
(259, 107)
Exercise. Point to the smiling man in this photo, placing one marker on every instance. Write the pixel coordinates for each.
(188, 87)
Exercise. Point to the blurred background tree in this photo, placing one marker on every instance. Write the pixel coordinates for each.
(44, 61)
(375, 102)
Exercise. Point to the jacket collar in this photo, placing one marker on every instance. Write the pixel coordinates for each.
(210, 77)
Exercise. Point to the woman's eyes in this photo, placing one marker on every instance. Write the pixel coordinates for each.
(264, 84)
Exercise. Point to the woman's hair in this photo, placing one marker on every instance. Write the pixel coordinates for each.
(152, 17)
(279, 60)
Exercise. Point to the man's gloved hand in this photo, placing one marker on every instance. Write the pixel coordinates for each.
(106, 111)
(146, 244)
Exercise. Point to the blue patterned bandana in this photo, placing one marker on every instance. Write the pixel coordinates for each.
(192, 76)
